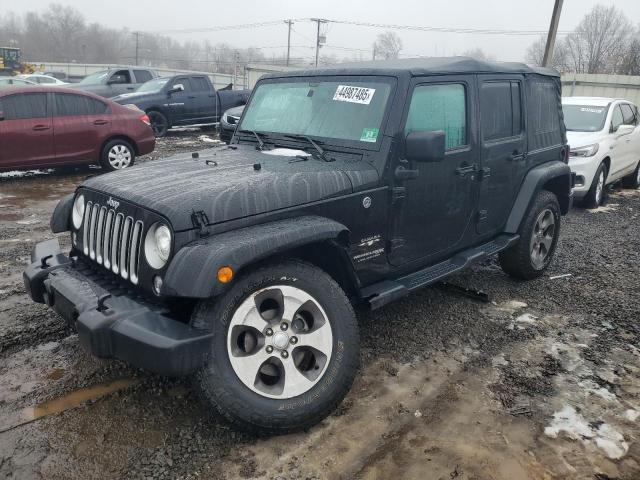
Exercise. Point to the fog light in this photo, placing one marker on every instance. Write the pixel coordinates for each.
(157, 284)
(225, 274)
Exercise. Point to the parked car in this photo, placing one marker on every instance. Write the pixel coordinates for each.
(605, 145)
(348, 185)
(114, 81)
(6, 81)
(54, 126)
(229, 122)
(183, 100)
(41, 79)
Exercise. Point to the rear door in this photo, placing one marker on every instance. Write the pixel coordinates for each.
(203, 100)
(26, 133)
(80, 125)
(503, 148)
(630, 143)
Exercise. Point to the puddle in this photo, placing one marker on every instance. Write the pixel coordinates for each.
(66, 402)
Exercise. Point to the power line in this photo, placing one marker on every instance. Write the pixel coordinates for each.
(219, 28)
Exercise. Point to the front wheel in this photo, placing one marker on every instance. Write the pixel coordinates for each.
(285, 348)
(595, 195)
(539, 232)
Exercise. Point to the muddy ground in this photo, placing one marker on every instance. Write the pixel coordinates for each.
(542, 382)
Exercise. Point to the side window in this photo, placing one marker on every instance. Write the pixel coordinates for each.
(199, 84)
(121, 76)
(44, 80)
(500, 110)
(439, 107)
(184, 82)
(24, 106)
(545, 108)
(68, 104)
(142, 76)
(628, 115)
(616, 118)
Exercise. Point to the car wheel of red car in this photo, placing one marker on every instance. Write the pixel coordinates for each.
(117, 154)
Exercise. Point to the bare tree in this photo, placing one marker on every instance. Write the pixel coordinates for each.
(630, 62)
(387, 45)
(478, 54)
(599, 39)
(535, 54)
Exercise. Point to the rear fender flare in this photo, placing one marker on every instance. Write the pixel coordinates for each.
(553, 176)
(193, 271)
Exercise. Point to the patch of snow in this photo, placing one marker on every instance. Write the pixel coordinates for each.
(611, 441)
(287, 152)
(207, 139)
(595, 389)
(604, 209)
(631, 414)
(22, 173)
(569, 421)
(417, 414)
(526, 318)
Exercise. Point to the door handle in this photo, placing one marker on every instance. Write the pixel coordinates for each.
(463, 171)
(515, 157)
(130, 88)
(39, 128)
(191, 96)
(100, 122)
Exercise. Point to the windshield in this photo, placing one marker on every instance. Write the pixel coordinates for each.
(153, 85)
(584, 118)
(94, 78)
(348, 109)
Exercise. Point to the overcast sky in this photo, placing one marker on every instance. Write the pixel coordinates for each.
(154, 15)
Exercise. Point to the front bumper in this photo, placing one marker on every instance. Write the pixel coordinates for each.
(584, 169)
(111, 322)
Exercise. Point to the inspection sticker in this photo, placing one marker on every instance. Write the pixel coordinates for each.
(345, 93)
(369, 135)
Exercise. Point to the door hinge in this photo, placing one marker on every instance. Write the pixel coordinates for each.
(395, 244)
(482, 215)
(201, 222)
(398, 193)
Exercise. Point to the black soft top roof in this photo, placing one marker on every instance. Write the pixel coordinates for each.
(420, 67)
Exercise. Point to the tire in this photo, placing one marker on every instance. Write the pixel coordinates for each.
(633, 180)
(117, 154)
(530, 257)
(264, 402)
(595, 195)
(159, 123)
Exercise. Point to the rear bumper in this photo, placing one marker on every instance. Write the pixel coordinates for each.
(146, 145)
(113, 324)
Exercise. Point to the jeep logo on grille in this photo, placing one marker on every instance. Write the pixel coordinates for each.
(113, 203)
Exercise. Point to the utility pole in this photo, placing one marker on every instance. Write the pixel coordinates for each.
(553, 31)
(319, 40)
(137, 34)
(288, 22)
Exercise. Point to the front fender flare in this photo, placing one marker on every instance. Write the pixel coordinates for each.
(193, 271)
(61, 217)
(554, 176)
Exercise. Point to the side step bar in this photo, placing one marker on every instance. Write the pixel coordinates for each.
(380, 294)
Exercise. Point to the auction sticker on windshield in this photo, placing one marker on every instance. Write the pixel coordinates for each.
(346, 93)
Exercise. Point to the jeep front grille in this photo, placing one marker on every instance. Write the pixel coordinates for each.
(112, 240)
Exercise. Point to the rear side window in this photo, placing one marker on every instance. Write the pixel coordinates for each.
(43, 80)
(544, 113)
(616, 118)
(628, 114)
(142, 76)
(199, 84)
(439, 107)
(500, 110)
(24, 106)
(68, 104)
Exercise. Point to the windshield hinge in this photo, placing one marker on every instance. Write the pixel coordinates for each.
(201, 222)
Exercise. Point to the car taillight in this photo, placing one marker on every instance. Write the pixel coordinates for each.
(145, 119)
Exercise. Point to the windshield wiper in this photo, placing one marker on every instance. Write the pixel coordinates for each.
(257, 135)
(318, 148)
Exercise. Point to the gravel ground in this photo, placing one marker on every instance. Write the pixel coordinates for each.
(542, 382)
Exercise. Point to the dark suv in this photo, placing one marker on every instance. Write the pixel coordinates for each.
(342, 186)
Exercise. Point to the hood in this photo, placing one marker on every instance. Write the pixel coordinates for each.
(582, 139)
(134, 97)
(233, 188)
(235, 111)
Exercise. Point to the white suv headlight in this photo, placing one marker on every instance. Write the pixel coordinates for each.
(77, 212)
(157, 245)
(586, 151)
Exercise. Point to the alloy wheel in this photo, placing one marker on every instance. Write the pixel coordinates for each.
(600, 188)
(119, 157)
(158, 123)
(280, 342)
(542, 238)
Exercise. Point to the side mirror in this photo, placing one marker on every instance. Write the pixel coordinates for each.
(625, 129)
(178, 87)
(425, 146)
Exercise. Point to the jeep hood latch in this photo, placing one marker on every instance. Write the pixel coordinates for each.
(201, 222)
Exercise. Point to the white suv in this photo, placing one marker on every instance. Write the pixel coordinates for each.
(604, 137)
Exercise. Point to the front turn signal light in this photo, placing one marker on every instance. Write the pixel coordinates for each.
(225, 274)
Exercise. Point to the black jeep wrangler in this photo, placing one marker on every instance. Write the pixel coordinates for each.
(342, 186)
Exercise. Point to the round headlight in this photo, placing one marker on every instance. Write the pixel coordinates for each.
(77, 213)
(157, 245)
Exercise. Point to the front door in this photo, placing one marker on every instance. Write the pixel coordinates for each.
(433, 218)
(503, 149)
(179, 103)
(26, 133)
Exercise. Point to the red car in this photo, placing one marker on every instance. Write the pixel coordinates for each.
(56, 126)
